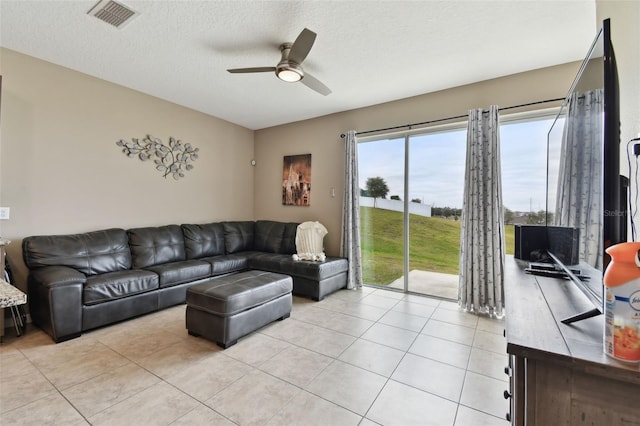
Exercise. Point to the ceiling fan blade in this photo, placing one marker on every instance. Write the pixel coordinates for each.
(256, 69)
(301, 47)
(315, 84)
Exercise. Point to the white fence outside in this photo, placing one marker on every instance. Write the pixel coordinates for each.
(397, 205)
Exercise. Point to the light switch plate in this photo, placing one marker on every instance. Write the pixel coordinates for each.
(4, 213)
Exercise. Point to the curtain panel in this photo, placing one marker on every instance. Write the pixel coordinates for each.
(350, 235)
(482, 248)
(580, 192)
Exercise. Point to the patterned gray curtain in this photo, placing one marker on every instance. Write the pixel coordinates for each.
(579, 196)
(350, 237)
(482, 250)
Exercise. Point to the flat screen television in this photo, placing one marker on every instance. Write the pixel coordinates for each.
(585, 191)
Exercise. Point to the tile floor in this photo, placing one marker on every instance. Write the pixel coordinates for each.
(361, 357)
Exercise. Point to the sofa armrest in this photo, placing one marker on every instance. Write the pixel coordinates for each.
(55, 301)
(56, 276)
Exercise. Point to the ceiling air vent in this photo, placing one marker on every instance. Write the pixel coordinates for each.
(112, 12)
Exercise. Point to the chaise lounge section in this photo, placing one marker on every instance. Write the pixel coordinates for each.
(83, 281)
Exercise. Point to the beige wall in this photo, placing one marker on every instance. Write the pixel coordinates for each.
(61, 171)
(321, 138)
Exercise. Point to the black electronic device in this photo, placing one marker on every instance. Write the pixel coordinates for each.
(554, 270)
(603, 222)
(564, 242)
(530, 241)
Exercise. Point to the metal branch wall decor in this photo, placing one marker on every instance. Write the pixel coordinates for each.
(172, 160)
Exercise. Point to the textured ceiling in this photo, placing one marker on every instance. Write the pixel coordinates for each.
(367, 52)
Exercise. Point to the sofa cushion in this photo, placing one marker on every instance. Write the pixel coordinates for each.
(273, 262)
(316, 271)
(116, 285)
(156, 245)
(284, 264)
(91, 253)
(289, 238)
(268, 236)
(238, 236)
(227, 264)
(227, 296)
(203, 240)
(181, 272)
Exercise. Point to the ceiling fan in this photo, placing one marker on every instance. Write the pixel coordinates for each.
(289, 68)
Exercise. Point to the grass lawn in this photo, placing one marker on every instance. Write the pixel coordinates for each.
(434, 244)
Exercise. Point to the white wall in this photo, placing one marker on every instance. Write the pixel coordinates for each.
(396, 206)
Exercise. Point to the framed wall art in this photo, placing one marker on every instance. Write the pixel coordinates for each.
(296, 180)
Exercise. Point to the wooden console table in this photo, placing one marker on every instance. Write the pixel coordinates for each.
(559, 374)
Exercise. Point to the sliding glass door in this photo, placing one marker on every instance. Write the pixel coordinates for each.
(436, 183)
(412, 187)
(381, 173)
(411, 196)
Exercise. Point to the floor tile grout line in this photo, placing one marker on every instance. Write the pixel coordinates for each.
(314, 325)
(203, 402)
(347, 314)
(396, 290)
(52, 392)
(130, 361)
(105, 373)
(361, 368)
(299, 347)
(332, 329)
(395, 369)
(55, 390)
(458, 403)
(302, 347)
(302, 389)
(187, 395)
(483, 412)
(134, 362)
(325, 399)
(455, 417)
(333, 358)
(379, 393)
(203, 405)
(161, 380)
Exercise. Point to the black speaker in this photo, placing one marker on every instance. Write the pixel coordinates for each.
(530, 242)
(533, 241)
(564, 242)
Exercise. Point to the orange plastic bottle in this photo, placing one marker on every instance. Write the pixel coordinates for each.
(622, 302)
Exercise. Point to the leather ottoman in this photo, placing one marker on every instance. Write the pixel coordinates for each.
(227, 308)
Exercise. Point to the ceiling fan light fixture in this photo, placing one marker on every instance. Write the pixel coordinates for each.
(290, 73)
(290, 76)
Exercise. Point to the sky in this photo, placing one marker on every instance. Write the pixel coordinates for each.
(437, 163)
